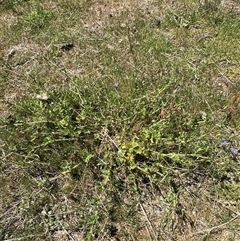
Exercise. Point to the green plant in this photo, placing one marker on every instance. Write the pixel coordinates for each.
(131, 133)
(36, 19)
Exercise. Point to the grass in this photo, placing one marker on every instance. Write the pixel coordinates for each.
(113, 120)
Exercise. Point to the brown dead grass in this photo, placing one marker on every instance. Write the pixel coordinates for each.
(231, 5)
(201, 215)
(201, 220)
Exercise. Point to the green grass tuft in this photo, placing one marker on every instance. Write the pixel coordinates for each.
(119, 121)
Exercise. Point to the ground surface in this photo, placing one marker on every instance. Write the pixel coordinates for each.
(120, 120)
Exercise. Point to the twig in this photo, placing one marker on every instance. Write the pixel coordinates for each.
(18, 239)
(150, 224)
(208, 230)
(68, 234)
(53, 141)
(105, 134)
(205, 37)
(226, 78)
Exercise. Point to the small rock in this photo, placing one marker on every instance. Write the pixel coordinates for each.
(67, 46)
(43, 97)
(11, 53)
(158, 23)
(203, 115)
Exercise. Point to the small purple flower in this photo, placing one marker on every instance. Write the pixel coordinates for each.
(116, 84)
(234, 151)
(224, 143)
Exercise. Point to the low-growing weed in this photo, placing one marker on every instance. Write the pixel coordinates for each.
(124, 124)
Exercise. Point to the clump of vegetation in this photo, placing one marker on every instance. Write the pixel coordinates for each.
(120, 122)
